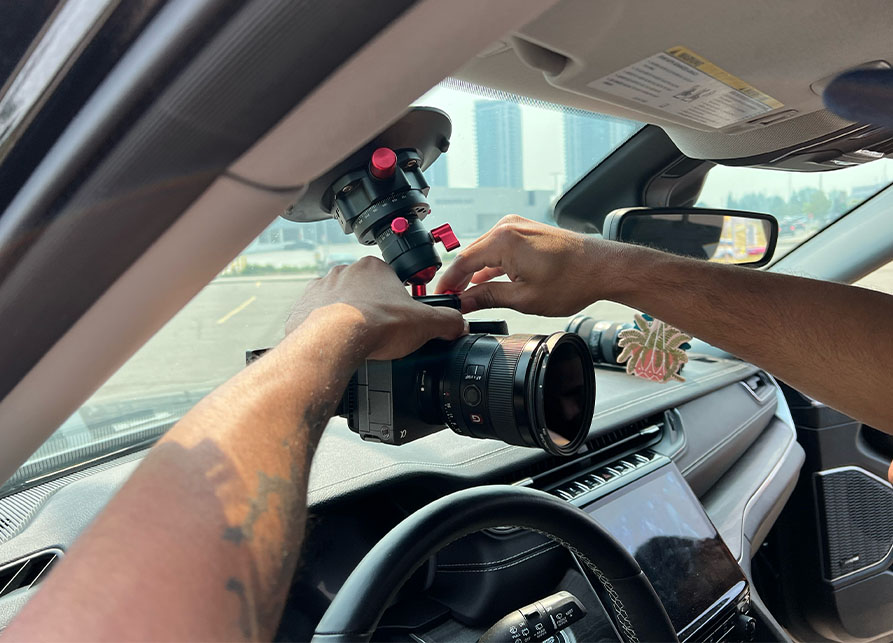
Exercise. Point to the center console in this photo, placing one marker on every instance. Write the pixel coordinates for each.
(642, 499)
(645, 503)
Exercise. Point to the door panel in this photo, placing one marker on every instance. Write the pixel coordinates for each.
(835, 543)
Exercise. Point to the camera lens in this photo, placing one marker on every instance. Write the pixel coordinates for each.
(602, 337)
(563, 396)
(528, 390)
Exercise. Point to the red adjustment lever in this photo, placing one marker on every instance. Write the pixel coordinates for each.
(444, 233)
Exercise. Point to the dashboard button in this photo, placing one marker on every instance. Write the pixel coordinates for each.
(571, 489)
(607, 473)
(622, 466)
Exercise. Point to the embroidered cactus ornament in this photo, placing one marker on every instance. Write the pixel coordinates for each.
(653, 350)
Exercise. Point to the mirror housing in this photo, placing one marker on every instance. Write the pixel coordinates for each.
(722, 236)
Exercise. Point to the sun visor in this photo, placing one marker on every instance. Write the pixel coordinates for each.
(862, 96)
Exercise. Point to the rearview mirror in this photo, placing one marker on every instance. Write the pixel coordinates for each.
(723, 236)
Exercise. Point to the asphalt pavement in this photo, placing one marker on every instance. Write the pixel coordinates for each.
(205, 343)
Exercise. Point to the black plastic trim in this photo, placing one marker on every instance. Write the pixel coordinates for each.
(94, 63)
(222, 85)
(624, 178)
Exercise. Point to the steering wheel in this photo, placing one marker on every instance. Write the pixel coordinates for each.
(357, 608)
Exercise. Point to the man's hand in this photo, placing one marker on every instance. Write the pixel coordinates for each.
(553, 272)
(790, 326)
(368, 301)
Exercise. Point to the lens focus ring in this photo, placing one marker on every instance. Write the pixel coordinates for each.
(500, 387)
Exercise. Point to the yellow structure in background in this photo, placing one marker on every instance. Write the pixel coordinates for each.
(236, 266)
(741, 241)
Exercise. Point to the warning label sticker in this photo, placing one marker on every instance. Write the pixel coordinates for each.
(680, 82)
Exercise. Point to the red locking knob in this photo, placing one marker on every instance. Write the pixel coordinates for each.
(383, 163)
(444, 233)
(399, 225)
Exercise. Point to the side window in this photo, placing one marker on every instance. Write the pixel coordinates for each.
(881, 279)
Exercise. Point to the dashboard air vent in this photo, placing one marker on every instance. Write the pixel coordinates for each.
(27, 572)
(632, 437)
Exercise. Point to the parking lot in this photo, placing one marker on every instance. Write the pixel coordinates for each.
(206, 342)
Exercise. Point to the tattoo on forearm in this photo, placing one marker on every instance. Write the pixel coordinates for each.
(271, 575)
(267, 485)
(236, 586)
(270, 585)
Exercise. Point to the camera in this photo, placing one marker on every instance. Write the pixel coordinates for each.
(602, 337)
(526, 390)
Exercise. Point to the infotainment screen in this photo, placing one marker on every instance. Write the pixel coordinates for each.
(661, 523)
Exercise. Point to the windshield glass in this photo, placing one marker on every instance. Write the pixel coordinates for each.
(507, 155)
(803, 202)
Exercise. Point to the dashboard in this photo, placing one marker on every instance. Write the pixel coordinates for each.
(704, 465)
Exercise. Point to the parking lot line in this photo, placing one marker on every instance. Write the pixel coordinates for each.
(237, 309)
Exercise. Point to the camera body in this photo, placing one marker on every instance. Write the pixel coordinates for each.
(382, 403)
(398, 401)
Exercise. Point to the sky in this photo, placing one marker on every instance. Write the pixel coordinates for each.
(543, 152)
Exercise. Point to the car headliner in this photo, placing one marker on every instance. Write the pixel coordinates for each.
(787, 50)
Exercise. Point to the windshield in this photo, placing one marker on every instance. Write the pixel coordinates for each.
(803, 202)
(507, 155)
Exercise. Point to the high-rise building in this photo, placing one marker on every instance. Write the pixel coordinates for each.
(436, 175)
(588, 140)
(498, 132)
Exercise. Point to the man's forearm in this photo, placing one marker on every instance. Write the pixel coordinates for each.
(215, 512)
(817, 336)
